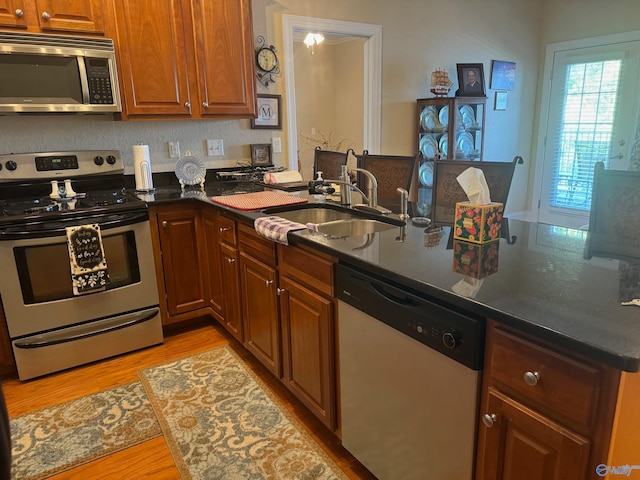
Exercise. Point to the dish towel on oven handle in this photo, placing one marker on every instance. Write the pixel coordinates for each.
(86, 255)
(276, 228)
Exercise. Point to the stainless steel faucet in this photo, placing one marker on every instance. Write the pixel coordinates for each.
(372, 187)
(404, 203)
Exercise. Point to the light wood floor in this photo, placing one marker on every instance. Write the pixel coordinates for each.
(152, 459)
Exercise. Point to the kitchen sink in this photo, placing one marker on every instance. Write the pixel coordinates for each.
(353, 227)
(335, 221)
(312, 213)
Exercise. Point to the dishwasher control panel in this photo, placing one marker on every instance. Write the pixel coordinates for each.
(456, 335)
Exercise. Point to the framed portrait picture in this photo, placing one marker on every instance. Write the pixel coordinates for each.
(470, 80)
(261, 154)
(503, 75)
(269, 112)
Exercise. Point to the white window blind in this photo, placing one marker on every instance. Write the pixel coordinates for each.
(585, 131)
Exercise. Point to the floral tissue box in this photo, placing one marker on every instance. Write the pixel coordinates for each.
(478, 223)
(473, 260)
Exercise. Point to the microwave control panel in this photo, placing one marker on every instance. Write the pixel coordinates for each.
(100, 89)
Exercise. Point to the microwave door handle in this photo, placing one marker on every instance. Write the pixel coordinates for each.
(84, 83)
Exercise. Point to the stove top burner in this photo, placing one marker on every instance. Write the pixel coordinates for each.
(81, 202)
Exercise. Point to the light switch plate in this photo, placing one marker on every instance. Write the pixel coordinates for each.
(174, 149)
(215, 147)
(276, 144)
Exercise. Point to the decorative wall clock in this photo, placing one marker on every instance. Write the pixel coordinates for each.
(266, 61)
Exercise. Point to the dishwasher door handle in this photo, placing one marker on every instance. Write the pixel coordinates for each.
(403, 300)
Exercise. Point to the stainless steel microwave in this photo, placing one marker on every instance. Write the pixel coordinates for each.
(57, 74)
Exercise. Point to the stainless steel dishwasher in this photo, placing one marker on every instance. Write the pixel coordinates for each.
(409, 380)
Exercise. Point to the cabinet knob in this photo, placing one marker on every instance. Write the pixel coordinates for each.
(280, 291)
(489, 419)
(230, 260)
(19, 13)
(224, 229)
(46, 16)
(268, 282)
(531, 378)
(164, 223)
(205, 104)
(187, 104)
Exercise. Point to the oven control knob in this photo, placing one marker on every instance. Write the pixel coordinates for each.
(111, 160)
(450, 340)
(11, 165)
(98, 160)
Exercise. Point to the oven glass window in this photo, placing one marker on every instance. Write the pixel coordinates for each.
(39, 79)
(45, 271)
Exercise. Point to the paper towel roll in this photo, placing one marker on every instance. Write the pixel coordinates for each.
(142, 166)
(282, 177)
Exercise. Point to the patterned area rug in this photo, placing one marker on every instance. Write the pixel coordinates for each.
(220, 422)
(64, 436)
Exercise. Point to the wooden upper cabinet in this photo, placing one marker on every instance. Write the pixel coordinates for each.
(51, 16)
(152, 58)
(224, 56)
(186, 59)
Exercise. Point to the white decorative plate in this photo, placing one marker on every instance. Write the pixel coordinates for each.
(443, 144)
(428, 147)
(444, 115)
(190, 170)
(468, 116)
(465, 143)
(426, 174)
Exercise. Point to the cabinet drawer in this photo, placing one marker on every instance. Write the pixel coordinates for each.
(565, 386)
(311, 268)
(227, 230)
(256, 246)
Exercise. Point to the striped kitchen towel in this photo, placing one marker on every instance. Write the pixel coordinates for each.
(276, 228)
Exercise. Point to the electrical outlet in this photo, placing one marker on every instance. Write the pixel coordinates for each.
(174, 149)
(215, 147)
(276, 144)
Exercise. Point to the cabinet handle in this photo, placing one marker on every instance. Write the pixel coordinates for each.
(224, 229)
(489, 419)
(230, 260)
(46, 16)
(280, 291)
(19, 13)
(531, 378)
(205, 104)
(164, 223)
(187, 104)
(268, 282)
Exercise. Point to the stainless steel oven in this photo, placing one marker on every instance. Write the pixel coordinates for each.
(51, 327)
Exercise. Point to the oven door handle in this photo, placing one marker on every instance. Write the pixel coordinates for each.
(86, 330)
(56, 228)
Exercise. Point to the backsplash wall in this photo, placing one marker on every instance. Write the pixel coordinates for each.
(41, 133)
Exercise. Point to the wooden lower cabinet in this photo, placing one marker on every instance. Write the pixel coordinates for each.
(546, 412)
(308, 348)
(260, 311)
(7, 363)
(229, 266)
(180, 252)
(521, 444)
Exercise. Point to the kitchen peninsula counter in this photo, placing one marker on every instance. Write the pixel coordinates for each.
(539, 282)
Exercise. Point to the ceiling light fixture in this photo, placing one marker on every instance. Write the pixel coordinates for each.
(313, 39)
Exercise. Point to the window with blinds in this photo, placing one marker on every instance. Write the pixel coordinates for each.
(585, 131)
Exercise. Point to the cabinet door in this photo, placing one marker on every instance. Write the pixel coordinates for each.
(216, 288)
(224, 52)
(152, 58)
(231, 280)
(181, 241)
(71, 15)
(524, 445)
(308, 349)
(260, 312)
(13, 13)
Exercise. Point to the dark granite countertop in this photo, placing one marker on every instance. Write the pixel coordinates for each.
(538, 281)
